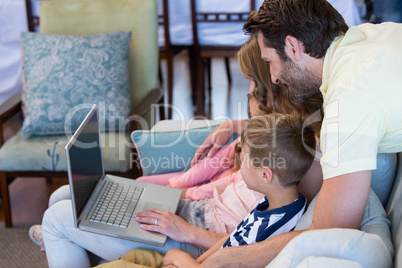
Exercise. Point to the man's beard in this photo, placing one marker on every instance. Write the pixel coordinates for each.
(302, 82)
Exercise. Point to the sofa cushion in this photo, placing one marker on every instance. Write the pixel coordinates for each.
(394, 211)
(62, 74)
(382, 178)
(320, 262)
(47, 153)
(374, 219)
(347, 244)
(375, 223)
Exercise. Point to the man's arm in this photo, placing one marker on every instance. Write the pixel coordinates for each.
(340, 204)
(178, 258)
(342, 200)
(213, 249)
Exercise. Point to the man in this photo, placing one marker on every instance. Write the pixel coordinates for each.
(359, 72)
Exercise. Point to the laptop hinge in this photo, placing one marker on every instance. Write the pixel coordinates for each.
(94, 197)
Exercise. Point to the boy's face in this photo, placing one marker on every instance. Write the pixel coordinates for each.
(250, 174)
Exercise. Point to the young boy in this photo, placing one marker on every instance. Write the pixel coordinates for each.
(274, 160)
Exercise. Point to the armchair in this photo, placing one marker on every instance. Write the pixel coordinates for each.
(43, 156)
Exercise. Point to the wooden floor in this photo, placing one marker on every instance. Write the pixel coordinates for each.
(29, 196)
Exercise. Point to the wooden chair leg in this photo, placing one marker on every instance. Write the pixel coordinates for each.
(160, 73)
(200, 86)
(49, 186)
(208, 77)
(5, 199)
(228, 73)
(201, 91)
(208, 66)
(170, 85)
(193, 76)
(49, 181)
(161, 109)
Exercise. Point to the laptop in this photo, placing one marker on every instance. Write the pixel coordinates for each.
(105, 204)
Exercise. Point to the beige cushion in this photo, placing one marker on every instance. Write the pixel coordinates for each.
(100, 16)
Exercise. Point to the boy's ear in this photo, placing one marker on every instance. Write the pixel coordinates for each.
(267, 174)
(293, 47)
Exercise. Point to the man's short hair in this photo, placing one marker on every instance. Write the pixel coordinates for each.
(315, 23)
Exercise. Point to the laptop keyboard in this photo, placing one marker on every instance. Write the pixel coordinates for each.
(117, 204)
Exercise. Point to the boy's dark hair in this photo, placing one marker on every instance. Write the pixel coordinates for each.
(281, 142)
(313, 22)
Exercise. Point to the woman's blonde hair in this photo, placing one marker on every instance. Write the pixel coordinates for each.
(272, 98)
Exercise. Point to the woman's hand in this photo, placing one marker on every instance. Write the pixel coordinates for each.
(219, 137)
(166, 223)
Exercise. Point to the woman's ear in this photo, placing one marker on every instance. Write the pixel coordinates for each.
(293, 47)
(267, 174)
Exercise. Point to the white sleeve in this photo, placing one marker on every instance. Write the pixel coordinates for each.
(352, 128)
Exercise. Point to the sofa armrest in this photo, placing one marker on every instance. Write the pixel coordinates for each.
(137, 114)
(367, 250)
(154, 96)
(371, 247)
(394, 212)
(319, 262)
(10, 107)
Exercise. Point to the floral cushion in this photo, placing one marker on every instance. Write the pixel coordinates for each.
(64, 75)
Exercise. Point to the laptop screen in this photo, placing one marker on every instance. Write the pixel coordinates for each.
(85, 160)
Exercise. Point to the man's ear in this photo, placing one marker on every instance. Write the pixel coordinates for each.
(267, 174)
(293, 47)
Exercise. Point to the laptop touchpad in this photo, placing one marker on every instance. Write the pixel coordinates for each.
(150, 205)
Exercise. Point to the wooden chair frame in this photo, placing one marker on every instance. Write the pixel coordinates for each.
(202, 54)
(167, 52)
(13, 106)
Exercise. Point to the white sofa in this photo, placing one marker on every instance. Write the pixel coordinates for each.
(377, 244)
